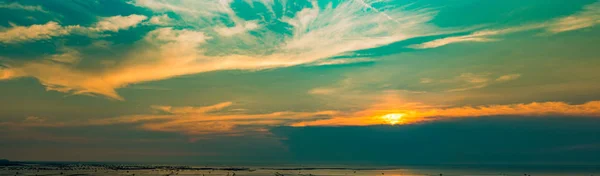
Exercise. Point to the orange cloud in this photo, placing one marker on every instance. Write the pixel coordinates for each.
(222, 119)
(201, 123)
(374, 116)
(217, 119)
(212, 119)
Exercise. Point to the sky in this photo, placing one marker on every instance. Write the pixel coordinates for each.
(383, 82)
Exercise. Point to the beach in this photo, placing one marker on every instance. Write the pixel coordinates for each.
(164, 170)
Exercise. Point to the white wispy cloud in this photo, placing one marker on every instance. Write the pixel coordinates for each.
(317, 33)
(237, 29)
(426, 80)
(478, 36)
(508, 77)
(161, 5)
(68, 56)
(470, 81)
(589, 16)
(17, 34)
(35, 32)
(341, 61)
(161, 20)
(449, 40)
(116, 23)
(17, 6)
(322, 91)
(474, 78)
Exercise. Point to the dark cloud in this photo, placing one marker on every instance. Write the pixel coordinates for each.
(126, 143)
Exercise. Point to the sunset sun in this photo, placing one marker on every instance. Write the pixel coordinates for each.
(393, 119)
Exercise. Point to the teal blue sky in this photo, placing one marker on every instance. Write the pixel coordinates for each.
(233, 80)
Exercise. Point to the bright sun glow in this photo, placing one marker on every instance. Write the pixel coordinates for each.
(392, 119)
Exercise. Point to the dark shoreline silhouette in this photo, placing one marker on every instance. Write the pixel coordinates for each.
(79, 168)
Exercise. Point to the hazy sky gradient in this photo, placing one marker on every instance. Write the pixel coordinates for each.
(300, 81)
